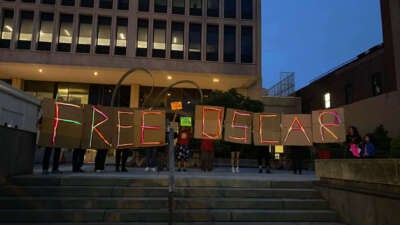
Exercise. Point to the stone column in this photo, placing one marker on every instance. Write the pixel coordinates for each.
(134, 99)
(17, 83)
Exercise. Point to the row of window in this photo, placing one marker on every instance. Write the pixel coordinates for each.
(104, 36)
(178, 6)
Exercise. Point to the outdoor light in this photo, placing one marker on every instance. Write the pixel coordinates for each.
(215, 80)
(169, 77)
(67, 32)
(169, 94)
(96, 73)
(8, 28)
(189, 102)
(40, 70)
(122, 36)
(327, 100)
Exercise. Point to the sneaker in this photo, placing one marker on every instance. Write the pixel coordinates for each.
(233, 170)
(99, 171)
(237, 170)
(147, 169)
(154, 169)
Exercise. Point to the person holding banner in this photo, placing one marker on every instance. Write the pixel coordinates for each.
(353, 141)
(121, 154)
(235, 157)
(78, 156)
(207, 155)
(263, 154)
(182, 148)
(100, 160)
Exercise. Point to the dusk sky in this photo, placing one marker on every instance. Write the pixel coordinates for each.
(310, 37)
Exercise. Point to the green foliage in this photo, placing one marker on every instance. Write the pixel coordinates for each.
(395, 147)
(233, 99)
(382, 141)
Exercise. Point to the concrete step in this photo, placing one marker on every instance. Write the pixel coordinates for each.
(191, 223)
(151, 182)
(157, 203)
(110, 191)
(161, 215)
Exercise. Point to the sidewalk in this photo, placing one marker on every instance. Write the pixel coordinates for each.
(218, 173)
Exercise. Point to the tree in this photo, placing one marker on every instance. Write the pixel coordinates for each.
(233, 99)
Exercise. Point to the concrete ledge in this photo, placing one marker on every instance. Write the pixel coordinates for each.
(376, 171)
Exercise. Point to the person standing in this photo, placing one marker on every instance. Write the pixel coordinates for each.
(368, 150)
(235, 157)
(121, 156)
(182, 149)
(207, 155)
(100, 160)
(297, 155)
(151, 157)
(78, 156)
(353, 141)
(263, 154)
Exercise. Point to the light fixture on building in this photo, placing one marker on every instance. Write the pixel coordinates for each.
(168, 94)
(189, 102)
(169, 77)
(96, 73)
(215, 80)
(67, 32)
(122, 36)
(8, 27)
(40, 70)
(174, 40)
(327, 100)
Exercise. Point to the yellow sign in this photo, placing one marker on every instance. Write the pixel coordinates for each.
(278, 149)
(176, 106)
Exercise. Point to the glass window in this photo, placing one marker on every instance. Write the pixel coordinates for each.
(213, 8)
(46, 31)
(39, 89)
(247, 9)
(103, 35)
(229, 8)
(160, 6)
(68, 2)
(247, 45)
(25, 30)
(106, 4)
(144, 5)
(376, 81)
(196, 7)
(178, 6)
(73, 93)
(123, 4)
(50, 2)
(142, 37)
(212, 42)
(159, 32)
(65, 33)
(327, 100)
(122, 31)
(177, 40)
(348, 91)
(87, 3)
(195, 41)
(229, 43)
(6, 28)
(85, 34)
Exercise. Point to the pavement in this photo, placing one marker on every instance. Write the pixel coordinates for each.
(217, 173)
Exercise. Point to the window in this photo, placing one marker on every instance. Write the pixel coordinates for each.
(230, 8)
(195, 41)
(68, 2)
(106, 4)
(85, 34)
(159, 39)
(160, 6)
(144, 5)
(25, 30)
(123, 4)
(40, 89)
(73, 93)
(196, 7)
(50, 2)
(177, 39)
(46, 31)
(212, 42)
(376, 82)
(229, 43)
(103, 35)
(142, 37)
(178, 6)
(122, 31)
(247, 45)
(247, 9)
(87, 3)
(6, 28)
(327, 100)
(348, 92)
(65, 33)
(213, 8)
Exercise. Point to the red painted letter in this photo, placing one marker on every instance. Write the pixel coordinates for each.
(218, 130)
(243, 138)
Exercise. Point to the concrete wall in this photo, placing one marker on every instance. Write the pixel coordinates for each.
(363, 192)
(367, 114)
(281, 104)
(18, 108)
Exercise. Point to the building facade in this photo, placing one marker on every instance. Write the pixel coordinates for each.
(77, 50)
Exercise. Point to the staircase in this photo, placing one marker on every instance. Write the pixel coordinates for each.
(113, 200)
